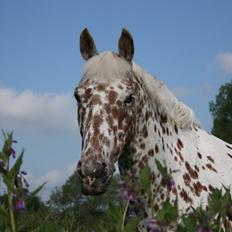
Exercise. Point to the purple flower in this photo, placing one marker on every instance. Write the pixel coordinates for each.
(23, 173)
(12, 152)
(14, 141)
(152, 226)
(129, 196)
(25, 182)
(171, 185)
(20, 205)
(202, 229)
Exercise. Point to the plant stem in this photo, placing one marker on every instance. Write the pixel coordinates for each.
(124, 216)
(10, 205)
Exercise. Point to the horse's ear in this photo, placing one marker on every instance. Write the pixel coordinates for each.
(87, 45)
(126, 45)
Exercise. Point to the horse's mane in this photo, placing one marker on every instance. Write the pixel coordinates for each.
(165, 100)
(108, 66)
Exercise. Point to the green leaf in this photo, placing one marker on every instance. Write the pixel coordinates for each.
(189, 224)
(132, 225)
(3, 212)
(167, 213)
(16, 167)
(163, 170)
(8, 183)
(144, 177)
(6, 146)
(218, 202)
(37, 190)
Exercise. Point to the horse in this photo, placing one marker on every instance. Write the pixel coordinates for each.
(124, 113)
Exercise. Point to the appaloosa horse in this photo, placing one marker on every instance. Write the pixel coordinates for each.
(125, 112)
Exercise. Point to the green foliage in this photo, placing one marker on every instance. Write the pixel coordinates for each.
(11, 174)
(132, 225)
(168, 213)
(16, 185)
(189, 223)
(218, 202)
(89, 212)
(69, 210)
(221, 111)
(162, 169)
(144, 178)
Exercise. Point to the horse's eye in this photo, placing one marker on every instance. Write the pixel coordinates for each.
(129, 99)
(77, 98)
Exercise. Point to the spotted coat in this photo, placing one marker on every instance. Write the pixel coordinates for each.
(121, 118)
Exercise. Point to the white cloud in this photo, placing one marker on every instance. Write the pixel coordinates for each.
(225, 60)
(46, 124)
(28, 110)
(53, 178)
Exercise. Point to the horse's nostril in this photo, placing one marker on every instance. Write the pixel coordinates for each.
(79, 172)
(121, 135)
(104, 164)
(100, 170)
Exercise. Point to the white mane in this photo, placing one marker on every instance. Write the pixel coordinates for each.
(108, 66)
(165, 99)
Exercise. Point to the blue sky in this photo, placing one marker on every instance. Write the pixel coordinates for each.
(186, 44)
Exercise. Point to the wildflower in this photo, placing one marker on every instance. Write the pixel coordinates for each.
(25, 182)
(152, 226)
(20, 180)
(23, 173)
(20, 205)
(129, 196)
(12, 152)
(171, 185)
(204, 229)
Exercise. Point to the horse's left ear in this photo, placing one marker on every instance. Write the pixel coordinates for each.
(87, 45)
(126, 45)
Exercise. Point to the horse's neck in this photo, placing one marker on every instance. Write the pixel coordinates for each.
(161, 138)
(194, 159)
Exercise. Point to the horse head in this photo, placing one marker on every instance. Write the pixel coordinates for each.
(107, 98)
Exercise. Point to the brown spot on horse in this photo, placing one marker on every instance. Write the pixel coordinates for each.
(191, 171)
(112, 96)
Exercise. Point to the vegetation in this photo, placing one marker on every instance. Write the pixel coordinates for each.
(17, 194)
(119, 209)
(221, 111)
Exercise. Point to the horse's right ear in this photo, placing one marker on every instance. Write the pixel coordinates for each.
(87, 45)
(126, 45)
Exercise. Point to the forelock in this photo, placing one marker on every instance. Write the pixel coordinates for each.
(106, 67)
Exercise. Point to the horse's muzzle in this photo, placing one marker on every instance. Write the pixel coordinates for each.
(95, 176)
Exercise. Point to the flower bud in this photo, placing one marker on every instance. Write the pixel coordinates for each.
(20, 205)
